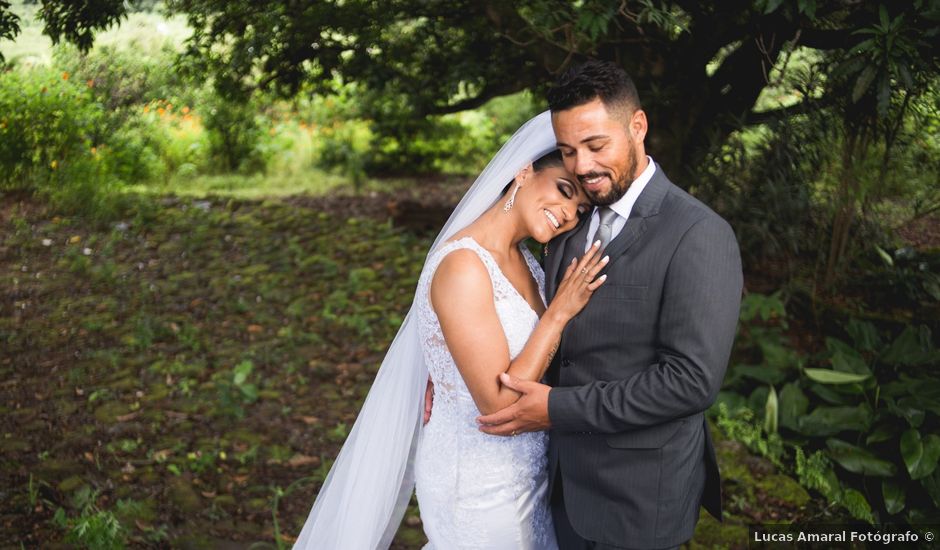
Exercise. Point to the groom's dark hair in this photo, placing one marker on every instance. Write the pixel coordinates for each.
(595, 79)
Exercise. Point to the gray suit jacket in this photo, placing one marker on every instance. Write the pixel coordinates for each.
(637, 367)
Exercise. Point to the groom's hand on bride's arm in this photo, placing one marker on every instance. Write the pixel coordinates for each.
(528, 414)
(428, 400)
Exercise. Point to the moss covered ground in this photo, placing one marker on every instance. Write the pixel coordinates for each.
(178, 371)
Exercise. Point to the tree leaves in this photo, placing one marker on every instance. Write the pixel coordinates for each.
(826, 376)
(832, 420)
(931, 484)
(793, 405)
(858, 460)
(9, 24)
(845, 358)
(863, 82)
(894, 496)
(857, 505)
(771, 412)
(911, 347)
(920, 454)
(864, 334)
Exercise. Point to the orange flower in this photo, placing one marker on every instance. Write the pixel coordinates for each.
(185, 110)
(90, 83)
(161, 111)
(65, 75)
(146, 108)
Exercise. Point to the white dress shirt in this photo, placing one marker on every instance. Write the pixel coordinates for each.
(623, 206)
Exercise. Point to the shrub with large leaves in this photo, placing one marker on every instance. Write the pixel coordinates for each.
(868, 407)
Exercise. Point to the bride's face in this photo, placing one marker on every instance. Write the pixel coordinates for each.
(550, 203)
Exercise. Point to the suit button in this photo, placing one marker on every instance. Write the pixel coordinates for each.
(565, 363)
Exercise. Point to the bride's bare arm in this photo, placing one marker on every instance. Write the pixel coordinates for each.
(462, 298)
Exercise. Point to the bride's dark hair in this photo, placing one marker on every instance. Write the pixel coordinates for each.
(551, 159)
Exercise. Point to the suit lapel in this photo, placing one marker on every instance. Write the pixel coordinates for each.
(631, 232)
(646, 206)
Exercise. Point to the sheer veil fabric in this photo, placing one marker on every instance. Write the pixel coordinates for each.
(364, 497)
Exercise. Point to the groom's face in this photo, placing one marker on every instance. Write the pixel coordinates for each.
(603, 149)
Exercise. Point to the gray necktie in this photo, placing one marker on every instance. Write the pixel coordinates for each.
(607, 217)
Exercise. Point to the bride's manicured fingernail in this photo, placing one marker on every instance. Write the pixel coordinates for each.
(602, 277)
(597, 242)
(605, 259)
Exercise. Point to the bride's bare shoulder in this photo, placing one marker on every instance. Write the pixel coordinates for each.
(461, 274)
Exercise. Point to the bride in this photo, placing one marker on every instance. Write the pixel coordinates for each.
(479, 311)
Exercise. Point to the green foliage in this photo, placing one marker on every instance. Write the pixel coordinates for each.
(903, 276)
(94, 528)
(742, 425)
(234, 135)
(920, 454)
(9, 24)
(867, 404)
(858, 460)
(234, 389)
(124, 78)
(48, 146)
(894, 52)
(815, 472)
(357, 133)
(764, 353)
(78, 23)
(47, 126)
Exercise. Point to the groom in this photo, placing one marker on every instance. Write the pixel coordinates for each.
(630, 455)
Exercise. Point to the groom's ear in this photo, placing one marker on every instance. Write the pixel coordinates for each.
(638, 125)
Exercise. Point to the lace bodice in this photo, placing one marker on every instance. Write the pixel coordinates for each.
(515, 314)
(467, 479)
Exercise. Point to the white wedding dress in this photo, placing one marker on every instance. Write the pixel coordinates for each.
(477, 490)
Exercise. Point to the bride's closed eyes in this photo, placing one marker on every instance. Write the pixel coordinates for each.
(568, 190)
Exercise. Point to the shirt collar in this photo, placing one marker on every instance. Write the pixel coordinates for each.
(623, 206)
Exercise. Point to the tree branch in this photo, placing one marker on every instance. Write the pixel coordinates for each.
(487, 93)
(762, 117)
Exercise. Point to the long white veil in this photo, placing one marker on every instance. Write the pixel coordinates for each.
(364, 497)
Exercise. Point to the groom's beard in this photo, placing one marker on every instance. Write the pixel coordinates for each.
(618, 188)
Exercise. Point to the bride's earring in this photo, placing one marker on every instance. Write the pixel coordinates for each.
(512, 200)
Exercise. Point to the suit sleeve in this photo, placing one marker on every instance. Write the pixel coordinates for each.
(698, 319)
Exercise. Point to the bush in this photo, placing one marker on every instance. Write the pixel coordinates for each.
(149, 103)
(47, 126)
(460, 143)
(122, 78)
(235, 135)
(47, 144)
(762, 182)
(868, 403)
(357, 133)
